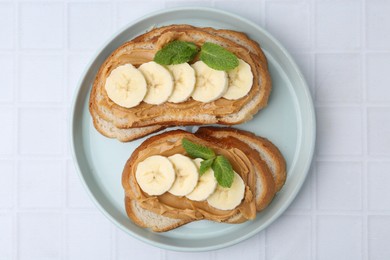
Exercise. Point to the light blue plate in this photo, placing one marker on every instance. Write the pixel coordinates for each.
(288, 121)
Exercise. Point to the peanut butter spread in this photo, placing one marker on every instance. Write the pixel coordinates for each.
(182, 207)
(138, 115)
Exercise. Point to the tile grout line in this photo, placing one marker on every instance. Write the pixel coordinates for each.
(313, 211)
(13, 157)
(63, 249)
(17, 128)
(364, 177)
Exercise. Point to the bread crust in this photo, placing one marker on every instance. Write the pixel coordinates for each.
(102, 109)
(267, 191)
(265, 148)
(218, 139)
(135, 213)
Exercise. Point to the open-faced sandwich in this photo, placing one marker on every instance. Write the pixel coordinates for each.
(179, 75)
(219, 174)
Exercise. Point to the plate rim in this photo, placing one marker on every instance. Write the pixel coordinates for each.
(312, 118)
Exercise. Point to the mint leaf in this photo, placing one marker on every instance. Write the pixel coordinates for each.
(196, 150)
(217, 57)
(205, 165)
(176, 52)
(223, 171)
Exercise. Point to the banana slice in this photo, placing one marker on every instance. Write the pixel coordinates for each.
(126, 86)
(159, 83)
(186, 175)
(210, 84)
(206, 184)
(155, 175)
(240, 81)
(228, 198)
(184, 82)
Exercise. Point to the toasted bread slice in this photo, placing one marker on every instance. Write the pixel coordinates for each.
(107, 129)
(266, 149)
(186, 113)
(259, 182)
(169, 143)
(148, 219)
(265, 185)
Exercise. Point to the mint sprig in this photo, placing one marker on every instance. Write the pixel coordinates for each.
(223, 170)
(196, 150)
(205, 165)
(176, 52)
(214, 55)
(217, 57)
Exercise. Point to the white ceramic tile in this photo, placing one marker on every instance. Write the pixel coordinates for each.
(252, 245)
(7, 237)
(7, 25)
(339, 131)
(338, 25)
(41, 131)
(293, 234)
(379, 131)
(339, 185)
(128, 12)
(76, 194)
(58, 39)
(378, 67)
(39, 236)
(76, 66)
(249, 9)
(7, 184)
(378, 177)
(128, 247)
(339, 237)
(7, 68)
(378, 237)
(378, 23)
(40, 183)
(95, 229)
(338, 78)
(90, 25)
(41, 25)
(289, 23)
(175, 3)
(7, 131)
(41, 78)
(171, 255)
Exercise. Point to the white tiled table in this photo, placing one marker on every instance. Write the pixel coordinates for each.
(343, 210)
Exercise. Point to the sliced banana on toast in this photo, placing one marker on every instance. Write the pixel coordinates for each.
(126, 86)
(228, 198)
(210, 84)
(240, 81)
(159, 83)
(206, 184)
(186, 175)
(155, 175)
(184, 82)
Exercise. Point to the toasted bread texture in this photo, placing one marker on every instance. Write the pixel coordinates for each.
(159, 214)
(267, 151)
(110, 118)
